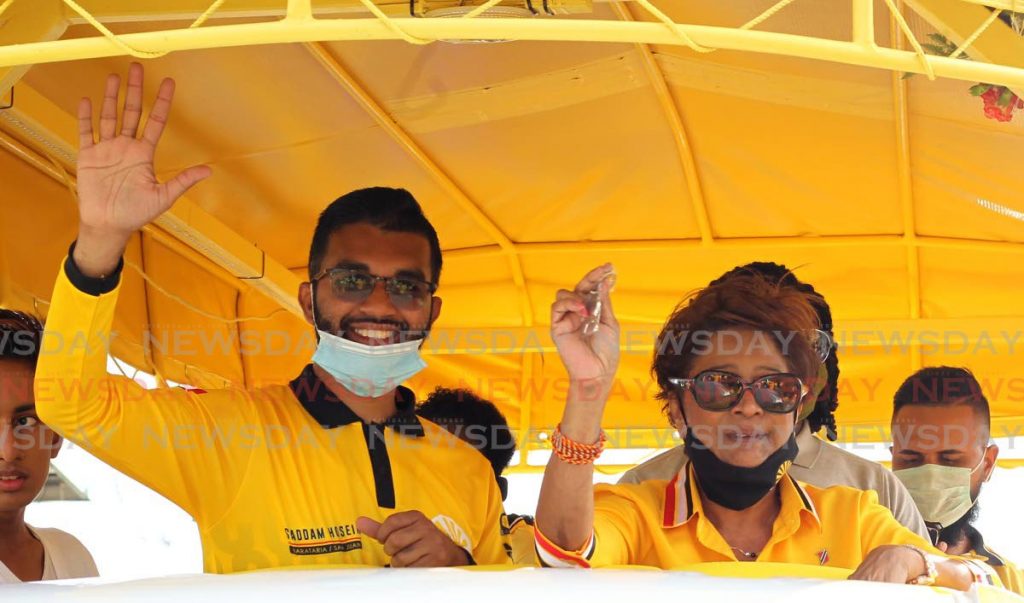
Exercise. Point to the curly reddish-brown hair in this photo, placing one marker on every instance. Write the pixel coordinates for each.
(741, 302)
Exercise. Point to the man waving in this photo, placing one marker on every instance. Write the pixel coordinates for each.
(353, 489)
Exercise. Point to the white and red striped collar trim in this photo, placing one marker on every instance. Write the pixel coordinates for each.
(677, 508)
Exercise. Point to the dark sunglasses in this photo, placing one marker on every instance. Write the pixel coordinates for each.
(718, 391)
(406, 293)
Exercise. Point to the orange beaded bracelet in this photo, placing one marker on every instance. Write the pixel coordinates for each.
(573, 452)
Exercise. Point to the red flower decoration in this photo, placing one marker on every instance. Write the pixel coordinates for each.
(999, 101)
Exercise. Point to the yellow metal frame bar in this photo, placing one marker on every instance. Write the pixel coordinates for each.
(126, 11)
(291, 30)
(299, 9)
(903, 171)
(639, 334)
(613, 469)
(529, 370)
(19, 150)
(678, 128)
(120, 11)
(1010, 463)
(959, 21)
(38, 21)
(659, 438)
(864, 23)
(788, 242)
(358, 92)
(114, 11)
(1013, 5)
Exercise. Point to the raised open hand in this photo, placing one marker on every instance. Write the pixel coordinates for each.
(118, 192)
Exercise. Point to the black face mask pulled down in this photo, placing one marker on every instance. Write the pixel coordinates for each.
(735, 487)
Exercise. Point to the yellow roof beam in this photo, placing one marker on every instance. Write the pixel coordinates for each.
(114, 11)
(655, 439)
(760, 243)
(959, 19)
(27, 21)
(905, 177)
(679, 134)
(47, 129)
(1004, 4)
(568, 30)
(638, 336)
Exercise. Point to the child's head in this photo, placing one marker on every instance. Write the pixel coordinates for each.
(26, 445)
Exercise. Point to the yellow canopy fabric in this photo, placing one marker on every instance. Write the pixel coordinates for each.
(537, 161)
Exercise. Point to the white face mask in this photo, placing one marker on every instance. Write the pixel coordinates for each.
(942, 494)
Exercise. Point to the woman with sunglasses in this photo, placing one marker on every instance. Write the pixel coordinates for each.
(738, 359)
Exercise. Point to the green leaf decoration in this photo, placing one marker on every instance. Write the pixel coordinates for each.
(1005, 98)
(979, 89)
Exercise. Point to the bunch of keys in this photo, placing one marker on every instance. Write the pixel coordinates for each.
(592, 301)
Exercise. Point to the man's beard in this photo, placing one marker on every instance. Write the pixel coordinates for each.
(955, 532)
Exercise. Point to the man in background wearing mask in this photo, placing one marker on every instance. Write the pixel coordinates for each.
(941, 452)
(327, 470)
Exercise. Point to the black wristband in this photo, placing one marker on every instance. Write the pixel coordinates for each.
(88, 284)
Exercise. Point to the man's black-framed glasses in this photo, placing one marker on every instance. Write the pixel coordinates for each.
(353, 286)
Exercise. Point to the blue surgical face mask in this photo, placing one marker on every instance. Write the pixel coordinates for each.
(367, 370)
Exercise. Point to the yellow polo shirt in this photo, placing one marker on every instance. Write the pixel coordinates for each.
(274, 476)
(661, 524)
(817, 463)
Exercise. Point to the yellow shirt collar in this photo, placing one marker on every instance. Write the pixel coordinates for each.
(682, 500)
